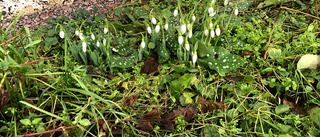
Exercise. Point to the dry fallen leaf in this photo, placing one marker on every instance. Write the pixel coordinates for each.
(131, 100)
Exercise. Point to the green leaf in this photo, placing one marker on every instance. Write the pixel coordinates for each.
(124, 62)
(166, 13)
(222, 60)
(163, 53)
(151, 45)
(140, 12)
(202, 48)
(36, 121)
(32, 43)
(274, 53)
(282, 109)
(40, 128)
(85, 122)
(49, 41)
(186, 80)
(211, 132)
(186, 98)
(4, 65)
(175, 89)
(315, 117)
(25, 122)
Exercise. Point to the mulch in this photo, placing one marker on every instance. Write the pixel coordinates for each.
(30, 19)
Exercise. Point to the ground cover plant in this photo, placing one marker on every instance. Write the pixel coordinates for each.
(165, 68)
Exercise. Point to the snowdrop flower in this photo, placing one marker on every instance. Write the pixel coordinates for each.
(210, 9)
(175, 12)
(92, 36)
(187, 46)
(105, 30)
(180, 39)
(212, 33)
(211, 24)
(104, 42)
(190, 32)
(114, 49)
(194, 57)
(81, 36)
(61, 34)
(206, 31)
(153, 20)
(193, 17)
(225, 3)
(157, 29)
(166, 26)
(84, 46)
(98, 44)
(212, 14)
(183, 28)
(149, 29)
(218, 31)
(236, 11)
(212, 1)
(77, 32)
(143, 44)
(188, 25)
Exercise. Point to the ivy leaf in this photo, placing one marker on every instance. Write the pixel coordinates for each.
(49, 41)
(85, 122)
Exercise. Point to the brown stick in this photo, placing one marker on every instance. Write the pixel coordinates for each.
(70, 127)
(29, 63)
(23, 32)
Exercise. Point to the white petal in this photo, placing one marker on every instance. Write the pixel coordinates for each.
(236, 12)
(154, 21)
(188, 26)
(175, 12)
(81, 36)
(143, 44)
(105, 30)
(218, 31)
(149, 30)
(210, 10)
(77, 33)
(180, 40)
(166, 26)
(157, 29)
(183, 29)
(93, 37)
(211, 25)
(61, 34)
(98, 44)
(212, 34)
(206, 32)
(194, 18)
(84, 46)
(225, 2)
(190, 33)
(187, 47)
(194, 58)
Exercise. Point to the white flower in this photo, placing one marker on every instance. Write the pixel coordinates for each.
(212, 1)
(84, 46)
(212, 14)
(180, 39)
(105, 30)
(77, 32)
(104, 42)
(211, 24)
(206, 31)
(183, 28)
(193, 17)
(98, 44)
(194, 57)
(149, 29)
(153, 20)
(61, 34)
(81, 36)
(157, 29)
(92, 36)
(212, 33)
(190, 32)
(175, 12)
(210, 9)
(218, 31)
(225, 3)
(187, 46)
(114, 49)
(188, 25)
(166, 26)
(143, 44)
(236, 11)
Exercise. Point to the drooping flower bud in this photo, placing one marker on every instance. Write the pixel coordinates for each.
(143, 44)
(236, 11)
(157, 29)
(149, 29)
(183, 28)
(166, 26)
(187, 46)
(61, 34)
(180, 39)
(84, 46)
(175, 12)
(153, 20)
(218, 31)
